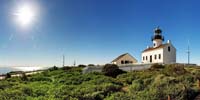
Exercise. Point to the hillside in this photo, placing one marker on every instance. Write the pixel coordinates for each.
(159, 82)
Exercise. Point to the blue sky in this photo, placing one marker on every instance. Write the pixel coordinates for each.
(96, 31)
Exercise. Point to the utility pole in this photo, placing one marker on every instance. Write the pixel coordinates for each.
(74, 63)
(188, 52)
(63, 60)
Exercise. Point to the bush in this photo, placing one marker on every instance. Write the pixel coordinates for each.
(66, 68)
(119, 96)
(111, 70)
(156, 67)
(82, 65)
(71, 84)
(174, 69)
(5, 84)
(53, 68)
(40, 78)
(24, 77)
(91, 65)
(8, 75)
(136, 86)
(28, 91)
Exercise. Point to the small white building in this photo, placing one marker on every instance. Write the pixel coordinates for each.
(2, 77)
(159, 52)
(124, 59)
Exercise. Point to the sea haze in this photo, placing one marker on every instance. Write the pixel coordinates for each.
(4, 70)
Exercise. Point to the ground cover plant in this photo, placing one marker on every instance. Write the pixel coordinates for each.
(157, 83)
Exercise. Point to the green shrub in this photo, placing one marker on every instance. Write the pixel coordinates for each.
(91, 65)
(5, 84)
(28, 91)
(8, 75)
(40, 78)
(136, 86)
(66, 68)
(174, 69)
(71, 84)
(24, 77)
(119, 96)
(111, 70)
(156, 67)
(126, 79)
(82, 65)
(12, 95)
(53, 68)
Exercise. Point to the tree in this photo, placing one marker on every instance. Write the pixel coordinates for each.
(24, 77)
(82, 65)
(91, 65)
(8, 75)
(53, 68)
(111, 70)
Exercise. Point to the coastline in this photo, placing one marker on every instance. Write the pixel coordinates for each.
(19, 71)
(4, 70)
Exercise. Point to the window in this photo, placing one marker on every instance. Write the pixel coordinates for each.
(122, 62)
(159, 56)
(155, 56)
(143, 58)
(146, 58)
(154, 44)
(126, 62)
(169, 48)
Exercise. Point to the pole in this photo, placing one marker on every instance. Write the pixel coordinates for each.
(188, 55)
(188, 52)
(74, 63)
(63, 60)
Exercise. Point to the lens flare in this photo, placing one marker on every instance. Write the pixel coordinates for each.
(25, 15)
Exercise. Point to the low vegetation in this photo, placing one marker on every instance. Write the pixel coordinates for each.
(68, 83)
(112, 70)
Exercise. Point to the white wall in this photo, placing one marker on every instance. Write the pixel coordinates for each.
(166, 56)
(157, 42)
(153, 53)
(169, 56)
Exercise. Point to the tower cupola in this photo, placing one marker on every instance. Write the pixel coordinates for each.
(157, 38)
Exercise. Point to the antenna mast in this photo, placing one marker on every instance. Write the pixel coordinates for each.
(63, 60)
(188, 52)
(74, 63)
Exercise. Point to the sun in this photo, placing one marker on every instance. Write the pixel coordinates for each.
(25, 15)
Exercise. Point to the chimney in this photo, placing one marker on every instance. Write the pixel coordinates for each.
(168, 41)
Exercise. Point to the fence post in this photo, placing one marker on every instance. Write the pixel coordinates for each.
(168, 97)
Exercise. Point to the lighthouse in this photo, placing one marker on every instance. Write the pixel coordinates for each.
(157, 38)
(159, 52)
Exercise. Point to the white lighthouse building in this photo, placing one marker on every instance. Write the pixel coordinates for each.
(159, 52)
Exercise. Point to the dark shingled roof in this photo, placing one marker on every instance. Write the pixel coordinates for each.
(152, 48)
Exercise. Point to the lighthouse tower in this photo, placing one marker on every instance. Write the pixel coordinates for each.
(164, 53)
(157, 38)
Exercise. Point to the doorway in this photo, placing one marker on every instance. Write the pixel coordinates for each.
(151, 59)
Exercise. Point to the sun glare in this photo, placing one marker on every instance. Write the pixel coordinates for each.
(25, 15)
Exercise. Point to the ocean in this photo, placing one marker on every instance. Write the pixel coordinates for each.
(4, 70)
